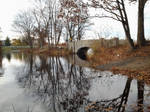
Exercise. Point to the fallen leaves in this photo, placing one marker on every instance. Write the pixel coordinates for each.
(139, 68)
(137, 74)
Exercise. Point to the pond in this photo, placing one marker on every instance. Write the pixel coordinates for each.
(31, 83)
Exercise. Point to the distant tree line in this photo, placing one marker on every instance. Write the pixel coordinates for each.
(13, 42)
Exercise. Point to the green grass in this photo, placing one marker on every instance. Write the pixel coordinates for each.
(6, 49)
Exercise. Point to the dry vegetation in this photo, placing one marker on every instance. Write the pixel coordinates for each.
(53, 52)
(106, 55)
(135, 64)
(48, 51)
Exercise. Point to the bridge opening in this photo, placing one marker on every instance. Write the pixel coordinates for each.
(82, 52)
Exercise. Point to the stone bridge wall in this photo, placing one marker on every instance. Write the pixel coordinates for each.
(76, 45)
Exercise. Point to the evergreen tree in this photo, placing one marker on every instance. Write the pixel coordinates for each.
(7, 42)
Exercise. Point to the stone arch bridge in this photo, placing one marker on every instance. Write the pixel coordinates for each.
(76, 46)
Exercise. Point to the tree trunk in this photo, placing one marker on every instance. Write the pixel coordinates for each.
(140, 36)
(125, 23)
(31, 44)
(30, 41)
(130, 40)
(59, 36)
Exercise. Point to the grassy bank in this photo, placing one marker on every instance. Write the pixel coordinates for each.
(6, 49)
(13, 48)
(48, 51)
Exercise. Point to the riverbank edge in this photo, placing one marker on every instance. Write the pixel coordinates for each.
(48, 51)
(134, 64)
(131, 65)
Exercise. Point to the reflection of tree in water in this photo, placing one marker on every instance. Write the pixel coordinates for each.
(58, 86)
(112, 105)
(19, 56)
(140, 86)
(1, 66)
(119, 104)
(64, 87)
(0, 60)
(8, 56)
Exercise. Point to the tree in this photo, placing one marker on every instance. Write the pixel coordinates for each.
(140, 33)
(115, 9)
(48, 25)
(141, 36)
(7, 42)
(104, 32)
(18, 42)
(24, 24)
(41, 21)
(75, 17)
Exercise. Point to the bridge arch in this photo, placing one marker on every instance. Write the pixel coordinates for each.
(82, 52)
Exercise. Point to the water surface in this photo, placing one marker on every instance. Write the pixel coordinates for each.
(30, 83)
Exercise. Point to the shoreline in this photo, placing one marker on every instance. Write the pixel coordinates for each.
(119, 60)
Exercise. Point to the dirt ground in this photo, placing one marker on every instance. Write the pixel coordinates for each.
(137, 63)
(133, 63)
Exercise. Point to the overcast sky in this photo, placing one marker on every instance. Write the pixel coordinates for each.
(116, 28)
(9, 8)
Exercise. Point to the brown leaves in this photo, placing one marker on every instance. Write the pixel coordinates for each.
(104, 55)
(93, 106)
(73, 11)
(138, 67)
(68, 3)
(143, 75)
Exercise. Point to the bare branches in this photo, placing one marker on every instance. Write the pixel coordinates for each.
(48, 26)
(74, 15)
(110, 7)
(114, 9)
(24, 24)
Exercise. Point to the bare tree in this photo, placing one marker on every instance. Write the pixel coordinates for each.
(140, 34)
(24, 24)
(41, 26)
(48, 25)
(104, 32)
(115, 9)
(58, 27)
(57, 22)
(75, 17)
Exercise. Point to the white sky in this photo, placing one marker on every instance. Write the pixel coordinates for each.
(9, 8)
(116, 27)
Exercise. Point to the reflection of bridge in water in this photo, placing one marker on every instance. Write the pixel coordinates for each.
(75, 60)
